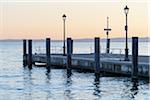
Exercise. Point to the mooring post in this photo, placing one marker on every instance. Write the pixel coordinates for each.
(69, 52)
(30, 54)
(108, 46)
(48, 58)
(71, 46)
(24, 53)
(134, 57)
(97, 55)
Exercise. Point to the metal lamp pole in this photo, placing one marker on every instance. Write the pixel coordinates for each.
(126, 10)
(107, 33)
(64, 46)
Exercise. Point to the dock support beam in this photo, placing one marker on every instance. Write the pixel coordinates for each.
(69, 52)
(24, 52)
(134, 57)
(30, 54)
(108, 46)
(48, 58)
(97, 55)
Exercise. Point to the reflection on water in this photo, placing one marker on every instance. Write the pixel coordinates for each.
(97, 85)
(27, 84)
(61, 84)
(134, 89)
(48, 78)
(20, 83)
(68, 84)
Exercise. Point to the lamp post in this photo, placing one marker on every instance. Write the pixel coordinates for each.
(64, 47)
(126, 10)
(107, 33)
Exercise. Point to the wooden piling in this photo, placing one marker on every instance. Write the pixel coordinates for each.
(108, 46)
(30, 54)
(134, 57)
(69, 52)
(71, 46)
(97, 55)
(48, 58)
(24, 53)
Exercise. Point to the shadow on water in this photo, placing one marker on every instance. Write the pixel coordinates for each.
(97, 86)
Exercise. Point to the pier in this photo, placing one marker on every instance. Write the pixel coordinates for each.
(74, 50)
(114, 64)
(134, 65)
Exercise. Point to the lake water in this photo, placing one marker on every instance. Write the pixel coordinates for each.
(19, 83)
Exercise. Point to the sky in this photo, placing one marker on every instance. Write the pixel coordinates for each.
(38, 19)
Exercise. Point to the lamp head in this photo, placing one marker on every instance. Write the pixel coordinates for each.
(64, 16)
(126, 10)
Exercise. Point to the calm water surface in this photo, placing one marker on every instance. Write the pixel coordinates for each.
(18, 83)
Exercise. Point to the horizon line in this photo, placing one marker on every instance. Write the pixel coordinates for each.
(78, 38)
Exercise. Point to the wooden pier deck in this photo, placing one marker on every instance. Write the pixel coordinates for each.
(109, 63)
(135, 66)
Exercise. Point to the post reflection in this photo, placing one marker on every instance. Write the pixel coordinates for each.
(48, 83)
(48, 75)
(68, 85)
(69, 73)
(97, 86)
(134, 88)
(27, 84)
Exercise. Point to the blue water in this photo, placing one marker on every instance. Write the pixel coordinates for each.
(19, 83)
(88, 47)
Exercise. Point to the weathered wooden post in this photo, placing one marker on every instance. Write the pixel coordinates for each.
(97, 55)
(134, 57)
(24, 52)
(69, 52)
(30, 54)
(108, 46)
(48, 58)
(71, 46)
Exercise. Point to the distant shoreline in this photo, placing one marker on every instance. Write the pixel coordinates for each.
(147, 39)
